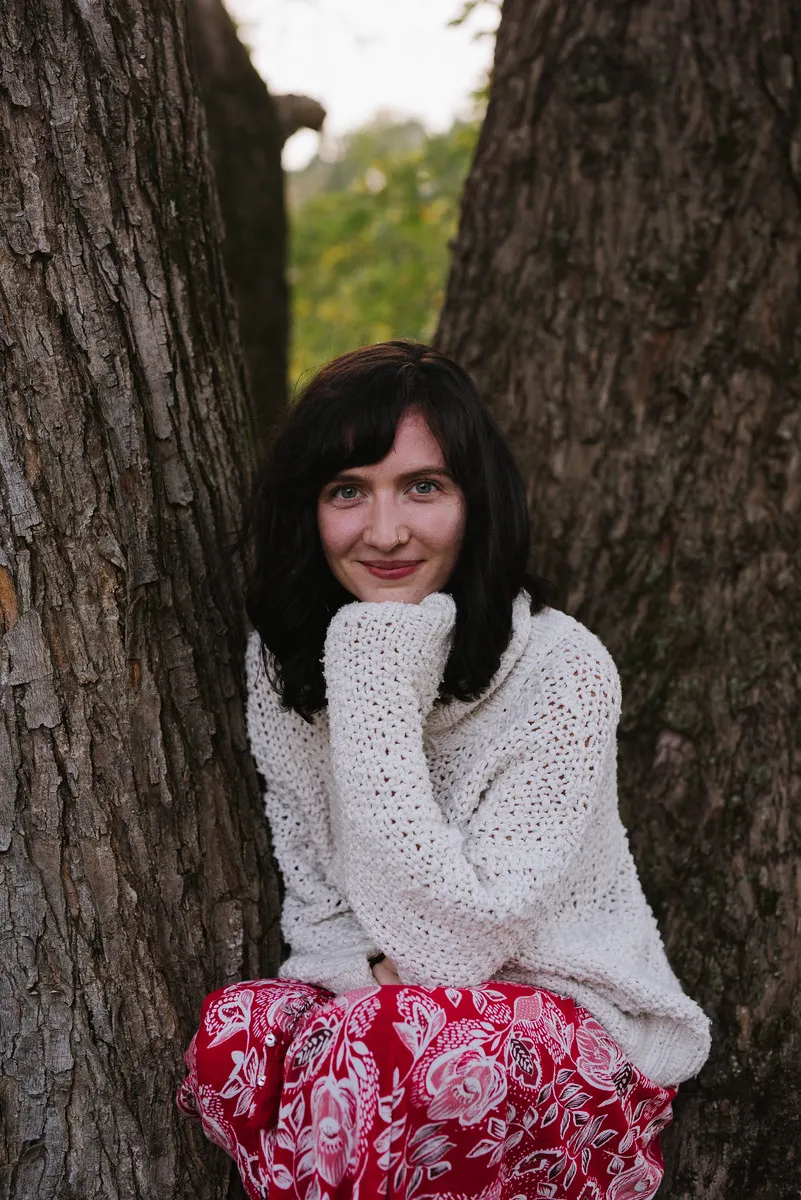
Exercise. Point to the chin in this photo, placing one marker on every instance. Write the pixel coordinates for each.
(402, 592)
(404, 595)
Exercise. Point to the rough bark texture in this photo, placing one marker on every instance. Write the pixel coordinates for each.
(625, 288)
(245, 139)
(135, 872)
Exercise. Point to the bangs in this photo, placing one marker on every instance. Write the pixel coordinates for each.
(359, 429)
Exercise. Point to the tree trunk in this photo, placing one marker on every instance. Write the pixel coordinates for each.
(245, 140)
(134, 857)
(625, 289)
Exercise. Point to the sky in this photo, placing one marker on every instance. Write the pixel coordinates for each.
(358, 57)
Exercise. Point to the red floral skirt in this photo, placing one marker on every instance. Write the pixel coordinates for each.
(498, 1092)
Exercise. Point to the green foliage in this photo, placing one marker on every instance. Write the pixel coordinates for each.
(469, 7)
(369, 240)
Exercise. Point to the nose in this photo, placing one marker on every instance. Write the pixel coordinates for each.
(384, 529)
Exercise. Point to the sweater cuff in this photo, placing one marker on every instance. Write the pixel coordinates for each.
(343, 975)
(358, 975)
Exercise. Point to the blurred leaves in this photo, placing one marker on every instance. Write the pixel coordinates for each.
(370, 233)
(471, 6)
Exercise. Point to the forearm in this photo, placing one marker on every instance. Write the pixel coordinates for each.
(405, 870)
(449, 904)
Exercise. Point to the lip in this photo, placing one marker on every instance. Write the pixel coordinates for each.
(393, 570)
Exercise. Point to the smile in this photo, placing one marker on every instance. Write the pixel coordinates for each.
(391, 570)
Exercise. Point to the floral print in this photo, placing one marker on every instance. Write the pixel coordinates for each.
(600, 1060)
(334, 1107)
(501, 1092)
(464, 1084)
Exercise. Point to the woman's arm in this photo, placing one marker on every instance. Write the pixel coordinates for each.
(447, 904)
(329, 946)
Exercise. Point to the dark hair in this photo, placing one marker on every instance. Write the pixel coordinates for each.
(346, 417)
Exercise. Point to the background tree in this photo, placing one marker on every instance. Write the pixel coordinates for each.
(370, 237)
(135, 872)
(625, 288)
(245, 140)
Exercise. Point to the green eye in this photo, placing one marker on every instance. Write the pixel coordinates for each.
(340, 490)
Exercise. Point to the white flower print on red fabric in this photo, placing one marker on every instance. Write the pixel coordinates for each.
(333, 1107)
(230, 1015)
(590, 1191)
(464, 1084)
(599, 1058)
(215, 1126)
(500, 1092)
(639, 1182)
(249, 1066)
(424, 1020)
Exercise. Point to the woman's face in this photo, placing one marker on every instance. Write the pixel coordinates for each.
(393, 530)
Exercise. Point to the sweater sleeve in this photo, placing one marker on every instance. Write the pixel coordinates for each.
(328, 945)
(449, 904)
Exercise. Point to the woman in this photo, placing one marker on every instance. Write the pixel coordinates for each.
(477, 1001)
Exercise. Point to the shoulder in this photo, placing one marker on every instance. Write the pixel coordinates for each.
(574, 665)
(559, 635)
(261, 692)
(270, 725)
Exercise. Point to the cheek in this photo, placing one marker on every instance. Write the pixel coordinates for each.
(443, 529)
(338, 528)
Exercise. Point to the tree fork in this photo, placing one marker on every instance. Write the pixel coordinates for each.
(246, 134)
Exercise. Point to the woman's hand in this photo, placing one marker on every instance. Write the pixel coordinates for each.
(390, 643)
(386, 972)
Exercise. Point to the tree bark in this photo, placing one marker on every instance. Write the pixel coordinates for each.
(625, 289)
(134, 858)
(298, 112)
(246, 135)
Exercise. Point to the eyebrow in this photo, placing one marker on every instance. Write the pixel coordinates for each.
(343, 475)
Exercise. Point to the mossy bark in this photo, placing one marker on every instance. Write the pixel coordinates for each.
(135, 872)
(625, 289)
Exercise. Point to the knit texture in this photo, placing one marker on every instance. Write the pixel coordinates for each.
(473, 840)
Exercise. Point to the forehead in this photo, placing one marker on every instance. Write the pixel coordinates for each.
(414, 447)
(413, 437)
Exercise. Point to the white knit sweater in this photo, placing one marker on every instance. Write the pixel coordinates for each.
(468, 841)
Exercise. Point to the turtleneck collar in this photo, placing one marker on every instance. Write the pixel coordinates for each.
(444, 716)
